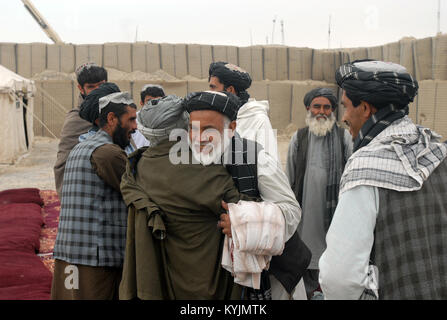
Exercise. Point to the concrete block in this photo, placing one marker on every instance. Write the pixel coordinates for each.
(375, 53)
(440, 57)
(167, 58)
(331, 62)
(300, 63)
(318, 65)
(220, 54)
(259, 90)
(280, 99)
(89, 53)
(406, 56)
(61, 58)
(257, 63)
(153, 59)
(441, 110)
(24, 60)
(53, 114)
(426, 104)
(8, 56)
(391, 52)
(197, 85)
(178, 88)
(207, 59)
(245, 59)
(124, 57)
(194, 60)
(423, 58)
(38, 58)
(232, 55)
(181, 60)
(139, 57)
(359, 54)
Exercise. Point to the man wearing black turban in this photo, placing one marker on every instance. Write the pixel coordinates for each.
(256, 174)
(253, 122)
(315, 162)
(384, 241)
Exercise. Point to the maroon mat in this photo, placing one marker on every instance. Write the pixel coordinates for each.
(26, 195)
(23, 277)
(20, 227)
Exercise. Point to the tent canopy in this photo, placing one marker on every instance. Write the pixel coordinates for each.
(12, 82)
(16, 109)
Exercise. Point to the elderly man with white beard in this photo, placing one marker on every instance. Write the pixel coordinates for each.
(315, 162)
(257, 174)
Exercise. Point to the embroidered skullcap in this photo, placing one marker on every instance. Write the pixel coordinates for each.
(117, 98)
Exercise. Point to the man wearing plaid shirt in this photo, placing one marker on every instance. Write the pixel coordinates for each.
(388, 236)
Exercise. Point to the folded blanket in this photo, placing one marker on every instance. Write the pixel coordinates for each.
(257, 230)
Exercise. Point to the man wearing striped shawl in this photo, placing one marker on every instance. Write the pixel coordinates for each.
(388, 236)
(315, 162)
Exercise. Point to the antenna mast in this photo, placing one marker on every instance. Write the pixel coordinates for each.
(439, 16)
(329, 33)
(273, 31)
(282, 32)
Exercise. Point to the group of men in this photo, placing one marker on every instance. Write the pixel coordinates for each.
(186, 199)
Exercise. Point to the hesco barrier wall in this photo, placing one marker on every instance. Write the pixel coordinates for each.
(424, 58)
(280, 74)
(285, 97)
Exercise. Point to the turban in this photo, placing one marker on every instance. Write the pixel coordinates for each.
(223, 102)
(159, 117)
(232, 75)
(117, 98)
(320, 92)
(377, 82)
(90, 106)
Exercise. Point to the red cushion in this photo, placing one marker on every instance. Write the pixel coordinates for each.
(23, 276)
(20, 227)
(26, 195)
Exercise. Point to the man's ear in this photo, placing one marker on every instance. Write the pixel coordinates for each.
(233, 125)
(231, 89)
(81, 89)
(111, 119)
(368, 108)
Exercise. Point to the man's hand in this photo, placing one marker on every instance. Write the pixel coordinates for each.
(225, 222)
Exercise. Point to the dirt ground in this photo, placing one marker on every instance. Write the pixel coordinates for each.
(35, 169)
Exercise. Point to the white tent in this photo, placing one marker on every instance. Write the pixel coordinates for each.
(16, 115)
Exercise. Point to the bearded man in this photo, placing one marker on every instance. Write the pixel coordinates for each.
(257, 174)
(315, 162)
(92, 227)
(174, 248)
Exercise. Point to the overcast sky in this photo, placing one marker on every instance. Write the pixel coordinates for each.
(355, 23)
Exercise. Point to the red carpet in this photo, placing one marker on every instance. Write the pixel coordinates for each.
(23, 276)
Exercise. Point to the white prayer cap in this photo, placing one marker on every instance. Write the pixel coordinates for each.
(116, 97)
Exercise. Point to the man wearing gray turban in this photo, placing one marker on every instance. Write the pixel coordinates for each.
(174, 248)
(315, 162)
(387, 238)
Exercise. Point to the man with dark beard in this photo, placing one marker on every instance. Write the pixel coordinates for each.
(92, 229)
(315, 162)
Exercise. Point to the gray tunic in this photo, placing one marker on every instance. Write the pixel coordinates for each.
(311, 227)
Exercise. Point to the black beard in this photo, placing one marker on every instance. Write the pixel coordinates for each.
(120, 137)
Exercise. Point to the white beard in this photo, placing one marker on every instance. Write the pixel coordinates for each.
(320, 127)
(214, 156)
